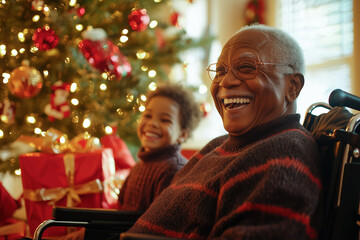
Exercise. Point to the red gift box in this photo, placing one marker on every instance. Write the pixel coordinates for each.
(66, 179)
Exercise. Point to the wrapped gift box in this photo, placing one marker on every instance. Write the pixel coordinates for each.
(65, 179)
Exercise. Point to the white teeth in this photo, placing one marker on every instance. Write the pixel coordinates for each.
(236, 100)
(149, 134)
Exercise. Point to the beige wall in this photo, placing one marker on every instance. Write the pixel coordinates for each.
(356, 59)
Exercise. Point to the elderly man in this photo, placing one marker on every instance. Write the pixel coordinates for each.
(261, 181)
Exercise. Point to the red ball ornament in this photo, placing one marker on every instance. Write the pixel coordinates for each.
(81, 11)
(45, 38)
(139, 19)
(25, 82)
(103, 55)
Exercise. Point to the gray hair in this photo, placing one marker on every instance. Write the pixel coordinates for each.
(284, 48)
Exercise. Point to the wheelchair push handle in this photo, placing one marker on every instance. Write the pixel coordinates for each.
(341, 98)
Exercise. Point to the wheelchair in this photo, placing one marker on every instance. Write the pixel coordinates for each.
(336, 131)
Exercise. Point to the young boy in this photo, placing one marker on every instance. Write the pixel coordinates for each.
(171, 115)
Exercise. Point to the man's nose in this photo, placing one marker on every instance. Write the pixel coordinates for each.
(230, 80)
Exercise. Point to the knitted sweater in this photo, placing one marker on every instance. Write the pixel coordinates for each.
(149, 177)
(261, 185)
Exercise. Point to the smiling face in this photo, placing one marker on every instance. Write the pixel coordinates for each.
(244, 105)
(159, 124)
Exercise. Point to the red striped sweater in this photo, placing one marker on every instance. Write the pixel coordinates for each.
(262, 185)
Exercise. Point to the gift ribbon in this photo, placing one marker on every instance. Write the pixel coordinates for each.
(72, 192)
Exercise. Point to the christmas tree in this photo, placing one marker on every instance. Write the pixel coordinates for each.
(83, 65)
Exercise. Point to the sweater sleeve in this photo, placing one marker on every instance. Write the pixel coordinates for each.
(274, 198)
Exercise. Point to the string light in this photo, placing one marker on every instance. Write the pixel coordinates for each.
(36, 18)
(34, 49)
(143, 97)
(1, 133)
(142, 108)
(104, 75)
(141, 54)
(21, 37)
(17, 172)
(123, 39)
(6, 77)
(73, 87)
(152, 86)
(125, 31)
(152, 73)
(46, 10)
(103, 86)
(108, 130)
(144, 68)
(75, 119)
(86, 123)
(74, 101)
(31, 119)
(72, 3)
(37, 131)
(130, 97)
(2, 50)
(14, 52)
(62, 139)
(153, 24)
(79, 27)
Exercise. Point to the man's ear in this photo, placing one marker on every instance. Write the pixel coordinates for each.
(183, 136)
(296, 83)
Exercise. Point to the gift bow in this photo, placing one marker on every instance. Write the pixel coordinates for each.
(57, 142)
(72, 192)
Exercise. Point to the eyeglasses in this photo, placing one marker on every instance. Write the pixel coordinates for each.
(243, 69)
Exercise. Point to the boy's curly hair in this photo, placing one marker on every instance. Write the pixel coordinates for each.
(190, 113)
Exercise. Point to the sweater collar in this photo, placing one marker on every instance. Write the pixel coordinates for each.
(158, 154)
(261, 132)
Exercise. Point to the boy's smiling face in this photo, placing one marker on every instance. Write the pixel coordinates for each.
(159, 124)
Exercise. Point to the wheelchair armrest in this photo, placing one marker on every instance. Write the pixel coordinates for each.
(93, 219)
(140, 236)
(94, 214)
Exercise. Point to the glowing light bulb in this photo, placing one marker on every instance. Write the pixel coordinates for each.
(17, 172)
(152, 86)
(14, 52)
(153, 24)
(79, 27)
(86, 123)
(36, 18)
(152, 73)
(74, 101)
(37, 131)
(103, 86)
(142, 108)
(31, 119)
(73, 87)
(108, 130)
(72, 3)
(123, 39)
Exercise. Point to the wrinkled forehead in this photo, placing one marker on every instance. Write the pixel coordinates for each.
(249, 43)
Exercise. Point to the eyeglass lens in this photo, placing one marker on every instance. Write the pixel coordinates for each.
(244, 70)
